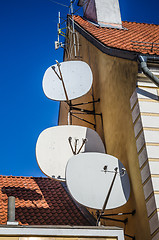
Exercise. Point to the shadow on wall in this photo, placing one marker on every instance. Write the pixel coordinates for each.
(147, 94)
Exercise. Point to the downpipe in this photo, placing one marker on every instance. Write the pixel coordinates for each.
(145, 69)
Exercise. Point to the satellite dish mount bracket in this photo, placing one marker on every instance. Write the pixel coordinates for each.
(59, 75)
(75, 152)
(73, 108)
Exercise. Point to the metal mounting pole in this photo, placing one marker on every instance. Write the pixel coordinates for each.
(70, 142)
(84, 141)
(58, 27)
(61, 78)
(108, 195)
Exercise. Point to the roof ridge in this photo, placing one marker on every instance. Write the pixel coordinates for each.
(140, 23)
(126, 43)
(11, 176)
(122, 21)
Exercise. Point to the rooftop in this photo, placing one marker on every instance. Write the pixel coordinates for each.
(41, 201)
(135, 37)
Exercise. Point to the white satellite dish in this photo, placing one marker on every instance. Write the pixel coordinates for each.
(56, 145)
(89, 177)
(67, 80)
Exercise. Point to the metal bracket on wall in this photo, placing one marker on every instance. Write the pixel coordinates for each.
(120, 214)
(73, 108)
(132, 237)
(107, 217)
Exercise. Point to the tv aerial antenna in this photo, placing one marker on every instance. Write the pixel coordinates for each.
(60, 31)
(73, 27)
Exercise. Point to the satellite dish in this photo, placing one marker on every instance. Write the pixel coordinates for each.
(67, 80)
(56, 145)
(89, 177)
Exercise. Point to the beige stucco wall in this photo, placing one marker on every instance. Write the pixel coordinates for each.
(114, 83)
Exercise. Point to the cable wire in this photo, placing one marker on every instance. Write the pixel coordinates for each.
(59, 3)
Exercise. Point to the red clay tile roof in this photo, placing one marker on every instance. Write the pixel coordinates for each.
(129, 39)
(39, 201)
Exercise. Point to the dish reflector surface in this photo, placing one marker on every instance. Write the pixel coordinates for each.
(89, 184)
(77, 77)
(53, 149)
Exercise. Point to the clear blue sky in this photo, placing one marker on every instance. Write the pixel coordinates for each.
(28, 31)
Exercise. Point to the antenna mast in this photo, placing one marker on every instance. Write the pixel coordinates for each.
(58, 27)
(60, 32)
(73, 26)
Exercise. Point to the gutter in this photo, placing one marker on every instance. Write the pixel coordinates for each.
(145, 69)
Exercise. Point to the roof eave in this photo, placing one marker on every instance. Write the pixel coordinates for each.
(115, 52)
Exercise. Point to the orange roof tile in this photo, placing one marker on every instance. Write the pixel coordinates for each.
(131, 38)
(40, 201)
